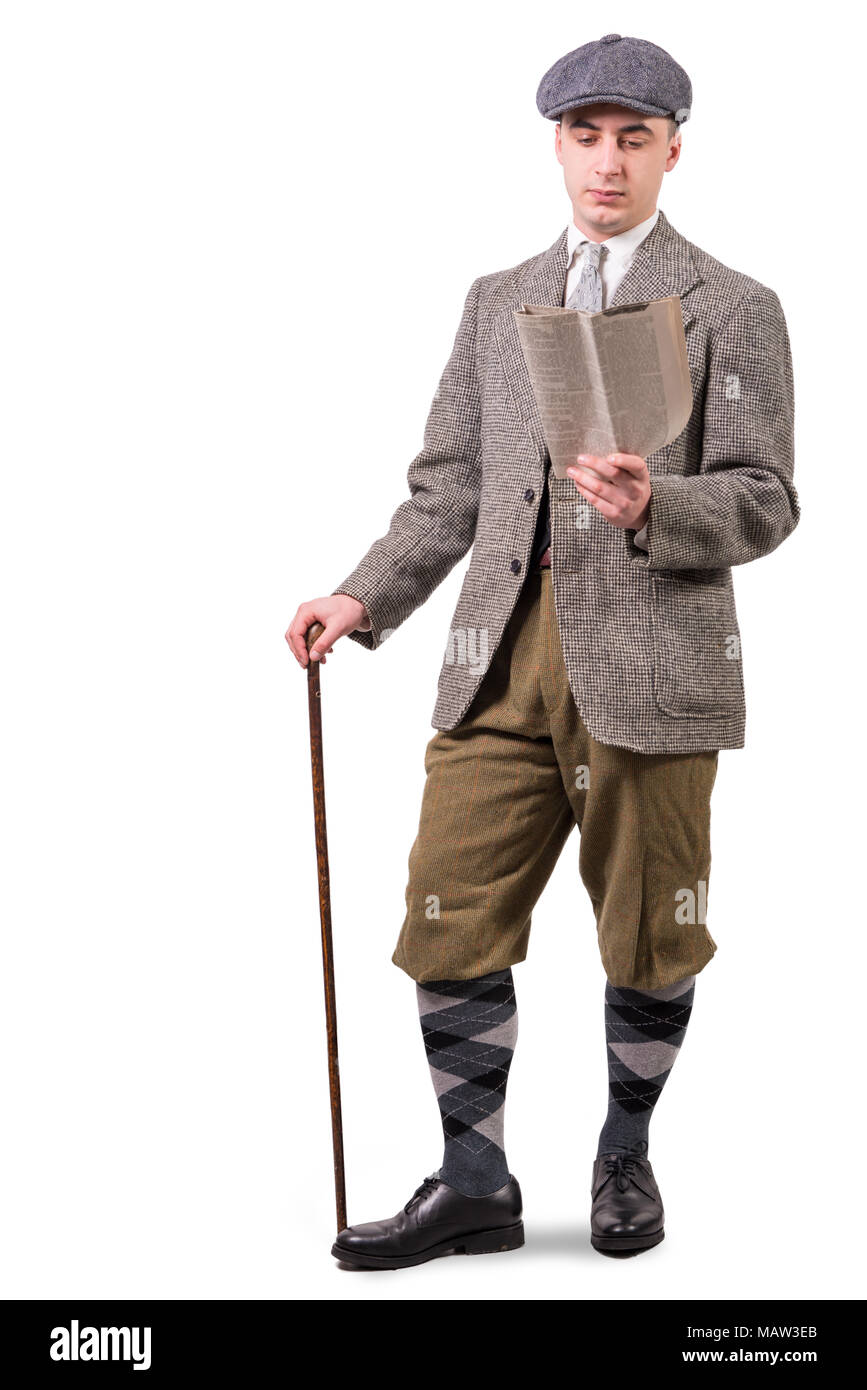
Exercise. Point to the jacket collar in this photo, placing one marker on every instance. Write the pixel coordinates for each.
(662, 264)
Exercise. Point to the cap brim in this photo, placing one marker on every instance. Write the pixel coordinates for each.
(553, 112)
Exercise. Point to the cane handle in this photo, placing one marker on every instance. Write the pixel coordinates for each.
(314, 631)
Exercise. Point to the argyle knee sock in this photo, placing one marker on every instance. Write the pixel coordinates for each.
(470, 1028)
(644, 1030)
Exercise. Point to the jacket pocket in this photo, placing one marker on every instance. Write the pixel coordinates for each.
(696, 645)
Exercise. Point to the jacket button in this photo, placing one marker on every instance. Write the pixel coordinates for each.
(529, 495)
(516, 566)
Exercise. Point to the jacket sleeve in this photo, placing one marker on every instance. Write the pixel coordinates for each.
(435, 526)
(742, 502)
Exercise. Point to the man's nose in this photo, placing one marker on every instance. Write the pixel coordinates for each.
(608, 155)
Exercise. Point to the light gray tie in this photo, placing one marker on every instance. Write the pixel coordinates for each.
(587, 294)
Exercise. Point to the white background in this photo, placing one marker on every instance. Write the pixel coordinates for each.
(235, 243)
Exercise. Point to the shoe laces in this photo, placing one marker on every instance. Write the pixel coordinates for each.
(428, 1185)
(622, 1166)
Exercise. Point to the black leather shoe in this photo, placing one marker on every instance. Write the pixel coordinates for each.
(437, 1220)
(627, 1215)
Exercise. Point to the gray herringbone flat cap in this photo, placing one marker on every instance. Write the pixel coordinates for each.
(630, 72)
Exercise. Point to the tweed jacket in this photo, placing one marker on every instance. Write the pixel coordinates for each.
(650, 638)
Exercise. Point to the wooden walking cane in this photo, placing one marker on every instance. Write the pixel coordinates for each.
(315, 707)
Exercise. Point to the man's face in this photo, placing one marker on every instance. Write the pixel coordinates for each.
(608, 147)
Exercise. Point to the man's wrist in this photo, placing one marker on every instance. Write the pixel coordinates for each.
(364, 624)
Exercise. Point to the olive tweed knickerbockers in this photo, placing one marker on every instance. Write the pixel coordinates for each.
(504, 790)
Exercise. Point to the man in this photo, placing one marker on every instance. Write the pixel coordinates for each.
(593, 670)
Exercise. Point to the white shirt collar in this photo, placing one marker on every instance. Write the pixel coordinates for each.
(622, 246)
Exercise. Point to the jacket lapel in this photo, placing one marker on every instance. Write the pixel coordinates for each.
(662, 265)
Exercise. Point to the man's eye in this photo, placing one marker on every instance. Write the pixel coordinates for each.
(633, 144)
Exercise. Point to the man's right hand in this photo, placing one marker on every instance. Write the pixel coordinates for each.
(338, 613)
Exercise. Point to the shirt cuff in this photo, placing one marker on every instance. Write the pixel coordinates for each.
(640, 538)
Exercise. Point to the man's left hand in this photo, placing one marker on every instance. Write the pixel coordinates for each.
(618, 485)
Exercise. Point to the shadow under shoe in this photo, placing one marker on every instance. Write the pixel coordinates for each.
(627, 1214)
(437, 1220)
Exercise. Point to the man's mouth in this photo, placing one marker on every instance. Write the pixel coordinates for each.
(606, 192)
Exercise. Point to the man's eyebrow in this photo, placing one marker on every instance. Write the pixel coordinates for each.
(580, 123)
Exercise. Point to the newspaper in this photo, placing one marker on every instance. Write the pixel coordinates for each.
(615, 380)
